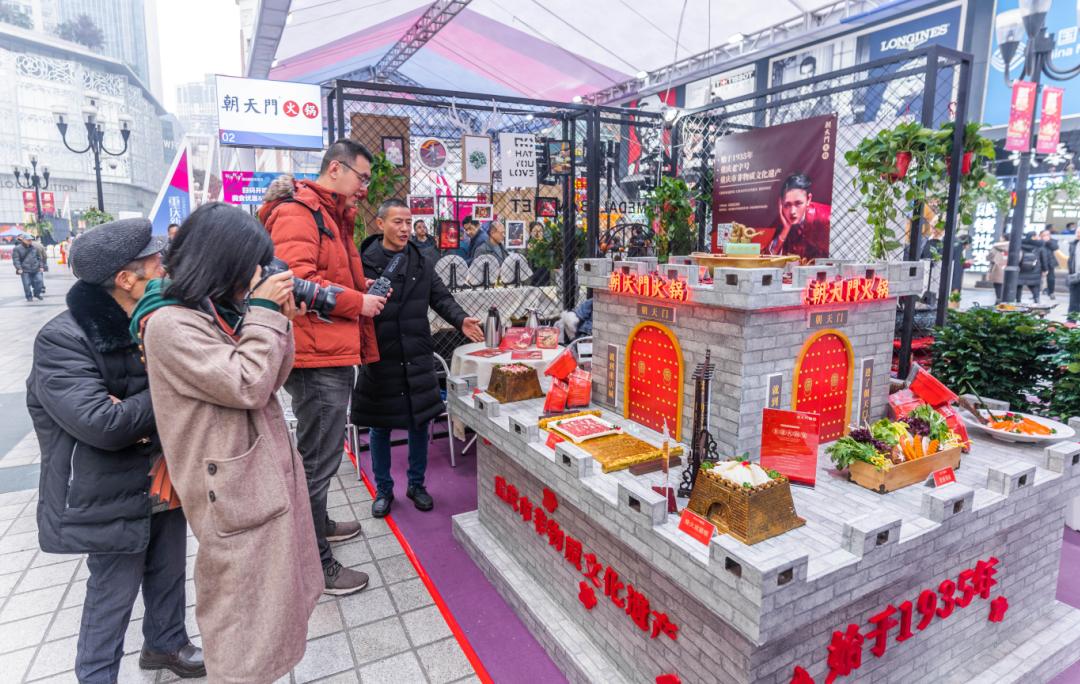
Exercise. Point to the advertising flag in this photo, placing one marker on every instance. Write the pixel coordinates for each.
(1050, 120)
(1021, 111)
(173, 203)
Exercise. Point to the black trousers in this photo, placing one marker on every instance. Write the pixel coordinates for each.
(1074, 298)
(114, 583)
(320, 401)
(1034, 292)
(1051, 282)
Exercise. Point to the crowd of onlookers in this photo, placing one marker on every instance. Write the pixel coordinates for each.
(1042, 256)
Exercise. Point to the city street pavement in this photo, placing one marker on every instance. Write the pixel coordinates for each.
(392, 631)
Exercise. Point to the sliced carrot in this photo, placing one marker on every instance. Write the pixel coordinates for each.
(918, 447)
(933, 448)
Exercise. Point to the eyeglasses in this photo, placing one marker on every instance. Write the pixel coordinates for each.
(365, 178)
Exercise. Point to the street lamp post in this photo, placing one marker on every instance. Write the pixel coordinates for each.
(95, 141)
(1011, 26)
(31, 179)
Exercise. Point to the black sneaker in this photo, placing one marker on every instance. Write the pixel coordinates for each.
(341, 581)
(380, 508)
(420, 497)
(186, 663)
(40, 298)
(340, 531)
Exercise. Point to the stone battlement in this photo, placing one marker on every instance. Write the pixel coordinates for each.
(857, 544)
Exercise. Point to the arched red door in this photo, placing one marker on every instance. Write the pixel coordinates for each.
(823, 382)
(653, 378)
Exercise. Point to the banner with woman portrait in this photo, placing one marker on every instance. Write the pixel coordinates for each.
(776, 182)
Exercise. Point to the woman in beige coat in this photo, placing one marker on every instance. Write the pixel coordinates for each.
(998, 258)
(216, 356)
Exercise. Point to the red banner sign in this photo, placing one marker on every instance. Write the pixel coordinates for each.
(789, 444)
(28, 203)
(651, 285)
(841, 291)
(1050, 120)
(48, 203)
(697, 527)
(1018, 135)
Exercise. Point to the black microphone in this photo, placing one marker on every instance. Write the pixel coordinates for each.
(381, 287)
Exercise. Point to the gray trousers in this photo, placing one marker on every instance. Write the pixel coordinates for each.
(320, 402)
(114, 583)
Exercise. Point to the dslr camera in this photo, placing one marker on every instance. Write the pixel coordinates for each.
(320, 300)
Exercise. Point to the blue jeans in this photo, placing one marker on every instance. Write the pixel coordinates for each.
(33, 284)
(380, 457)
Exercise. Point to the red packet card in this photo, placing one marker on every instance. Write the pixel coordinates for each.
(562, 365)
(516, 338)
(547, 338)
(530, 355)
(487, 353)
(580, 389)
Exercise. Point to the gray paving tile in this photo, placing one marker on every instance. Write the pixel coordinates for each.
(352, 553)
(133, 637)
(444, 661)
(396, 568)
(131, 672)
(349, 677)
(18, 542)
(378, 640)
(47, 576)
(14, 664)
(53, 658)
(62, 678)
(7, 583)
(11, 511)
(22, 525)
(16, 562)
(374, 577)
(367, 606)
(22, 496)
(76, 594)
(385, 546)
(66, 623)
(42, 558)
(325, 619)
(326, 656)
(376, 527)
(425, 625)
(23, 633)
(409, 595)
(401, 669)
(30, 603)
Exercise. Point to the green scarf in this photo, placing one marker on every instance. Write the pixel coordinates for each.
(153, 299)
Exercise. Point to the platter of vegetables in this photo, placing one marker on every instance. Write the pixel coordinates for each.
(889, 454)
(1018, 427)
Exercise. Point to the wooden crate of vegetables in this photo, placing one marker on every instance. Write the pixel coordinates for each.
(889, 454)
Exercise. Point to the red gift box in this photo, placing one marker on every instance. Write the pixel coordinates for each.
(901, 403)
(562, 365)
(931, 390)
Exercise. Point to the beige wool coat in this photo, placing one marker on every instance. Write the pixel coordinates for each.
(242, 484)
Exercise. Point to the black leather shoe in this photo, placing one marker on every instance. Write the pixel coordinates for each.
(420, 497)
(381, 506)
(187, 663)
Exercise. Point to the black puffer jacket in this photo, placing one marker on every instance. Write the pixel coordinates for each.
(401, 390)
(95, 455)
(1034, 253)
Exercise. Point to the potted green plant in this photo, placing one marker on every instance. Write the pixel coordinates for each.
(672, 206)
(385, 177)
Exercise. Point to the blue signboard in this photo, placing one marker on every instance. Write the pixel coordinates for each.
(904, 96)
(1061, 21)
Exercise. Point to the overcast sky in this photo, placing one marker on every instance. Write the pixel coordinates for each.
(196, 37)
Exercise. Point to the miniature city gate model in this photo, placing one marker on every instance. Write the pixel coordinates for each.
(937, 584)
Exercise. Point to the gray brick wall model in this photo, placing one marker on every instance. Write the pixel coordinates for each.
(859, 552)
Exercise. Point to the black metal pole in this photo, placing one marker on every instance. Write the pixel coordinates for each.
(908, 320)
(330, 99)
(339, 103)
(569, 253)
(1012, 268)
(95, 146)
(959, 133)
(593, 168)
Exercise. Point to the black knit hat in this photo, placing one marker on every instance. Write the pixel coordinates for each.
(99, 253)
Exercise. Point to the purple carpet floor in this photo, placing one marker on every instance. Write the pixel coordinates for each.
(503, 644)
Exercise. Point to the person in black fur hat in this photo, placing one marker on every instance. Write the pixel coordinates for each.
(101, 488)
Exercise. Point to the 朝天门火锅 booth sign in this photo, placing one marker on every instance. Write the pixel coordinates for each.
(845, 291)
(651, 285)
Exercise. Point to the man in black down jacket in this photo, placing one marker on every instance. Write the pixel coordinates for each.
(30, 265)
(89, 399)
(401, 390)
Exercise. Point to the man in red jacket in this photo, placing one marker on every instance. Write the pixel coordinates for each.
(311, 224)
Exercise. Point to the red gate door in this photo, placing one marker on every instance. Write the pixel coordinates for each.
(823, 381)
(653, 378)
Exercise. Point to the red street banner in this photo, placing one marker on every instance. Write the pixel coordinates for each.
(1018, 135)
(48, 203)
(789, 444)
(1050, 120)
(777, 183)
(28, 203)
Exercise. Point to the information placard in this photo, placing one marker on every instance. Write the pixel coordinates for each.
(789, 444)
(254, 112)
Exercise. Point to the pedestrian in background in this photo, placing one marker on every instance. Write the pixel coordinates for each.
(495, 244)
(219, 345)
(1074, 272)
(998, 258)
(30, 266)
(401, 390)
(311, 225)
(89, 399)
(1050, 246)
(1033, 264)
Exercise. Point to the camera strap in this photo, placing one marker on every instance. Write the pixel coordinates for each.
(316, 214)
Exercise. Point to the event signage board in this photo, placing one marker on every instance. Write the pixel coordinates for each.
(789, 444)
(1050, 120)
(655, 312)
(518, 153)
(254, 112)
(612, 389)
(721, 87)
(1061, 21)
(1021, 112)
(826, 319)
(249, 187)
(778, 181)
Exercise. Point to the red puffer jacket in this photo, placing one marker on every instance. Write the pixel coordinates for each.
(349, 338)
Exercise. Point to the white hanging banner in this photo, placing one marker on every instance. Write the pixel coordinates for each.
(518, 156)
